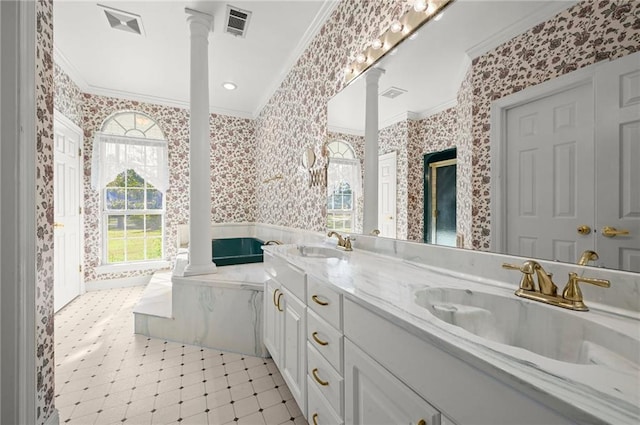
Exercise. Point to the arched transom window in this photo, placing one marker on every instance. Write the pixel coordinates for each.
(130, 154)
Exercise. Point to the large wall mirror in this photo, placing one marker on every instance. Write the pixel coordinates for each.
(539, 102)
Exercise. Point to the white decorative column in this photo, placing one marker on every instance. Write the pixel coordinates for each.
(370, 216)
(200, 261)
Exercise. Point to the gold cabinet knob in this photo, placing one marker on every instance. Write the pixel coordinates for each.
(422, 422)
(612, 232)
(583, 229)
(315, 419)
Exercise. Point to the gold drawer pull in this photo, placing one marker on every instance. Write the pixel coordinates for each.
(318, 300)
(278, 304)
(422, 422)
(58, 225)
(315, 419)
(318, 340)
(314, 372)
(274, 297)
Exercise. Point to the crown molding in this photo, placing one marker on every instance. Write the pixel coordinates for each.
(318, 21)
(61, 60)
(402, 116)
(436, 109)
(345, 130)
(544, 13)
(156, 100)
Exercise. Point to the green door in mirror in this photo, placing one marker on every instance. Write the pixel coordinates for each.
(440, 202)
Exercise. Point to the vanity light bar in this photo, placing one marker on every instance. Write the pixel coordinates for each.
(409, 23)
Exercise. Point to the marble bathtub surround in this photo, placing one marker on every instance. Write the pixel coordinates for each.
(593, 377)
(222, 310)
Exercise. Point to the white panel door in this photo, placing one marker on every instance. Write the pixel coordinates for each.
(272, 320)
(387, 169)
(550, 190)
(618, 163)
(67, 231)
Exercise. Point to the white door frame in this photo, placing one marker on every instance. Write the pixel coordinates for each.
(18, 213)
(60, 117)
(498, 136)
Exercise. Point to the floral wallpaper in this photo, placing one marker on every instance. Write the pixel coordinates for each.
(44, 211)
(67, 97)
(296, 115)
(588, 32)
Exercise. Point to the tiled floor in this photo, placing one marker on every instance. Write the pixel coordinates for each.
(105, 374)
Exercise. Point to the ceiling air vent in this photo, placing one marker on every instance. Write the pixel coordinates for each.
(121, 20)
(237, 21)
(392, 92)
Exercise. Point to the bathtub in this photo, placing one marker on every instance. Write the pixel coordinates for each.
(232, 251)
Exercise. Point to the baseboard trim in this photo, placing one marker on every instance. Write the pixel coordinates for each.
(124, 282)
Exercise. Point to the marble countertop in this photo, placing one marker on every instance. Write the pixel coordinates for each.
(388, 287)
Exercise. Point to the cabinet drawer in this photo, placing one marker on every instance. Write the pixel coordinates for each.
(326, 339)
(325, 379)
(326, 302)
(287, 275)
(320, 411)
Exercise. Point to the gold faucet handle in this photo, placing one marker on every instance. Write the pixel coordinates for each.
(573, 293)
(526, 282)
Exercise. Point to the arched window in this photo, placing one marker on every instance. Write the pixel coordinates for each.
(130, 169)
(343, 184)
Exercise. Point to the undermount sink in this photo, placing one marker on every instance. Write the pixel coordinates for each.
(547, 331)
(311, 251)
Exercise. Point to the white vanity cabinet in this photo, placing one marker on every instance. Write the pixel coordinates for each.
(325, 354)
(375, 396)
(286, 324)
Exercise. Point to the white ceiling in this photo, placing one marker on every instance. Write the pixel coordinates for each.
(155, 67)
(431, 66)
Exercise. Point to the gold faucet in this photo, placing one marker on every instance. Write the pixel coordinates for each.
(571, 297)
(587, 256)
(342, 242)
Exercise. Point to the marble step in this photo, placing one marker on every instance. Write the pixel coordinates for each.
(156, 299)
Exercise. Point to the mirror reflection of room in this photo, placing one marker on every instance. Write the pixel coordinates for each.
(522, 100)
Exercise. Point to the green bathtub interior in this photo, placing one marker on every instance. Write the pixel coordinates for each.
(231, 251)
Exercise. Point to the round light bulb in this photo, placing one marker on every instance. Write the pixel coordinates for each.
(419, 5)
(431, 8)
(361, 58)
(229, 85)
(376, 44)
(396, 26)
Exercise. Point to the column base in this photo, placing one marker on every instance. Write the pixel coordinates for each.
(196, 270)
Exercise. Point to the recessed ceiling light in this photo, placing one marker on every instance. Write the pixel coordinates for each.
(229, 85)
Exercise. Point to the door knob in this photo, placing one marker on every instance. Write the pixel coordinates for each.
(58, 225)
(612, 232)
(583, 229)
